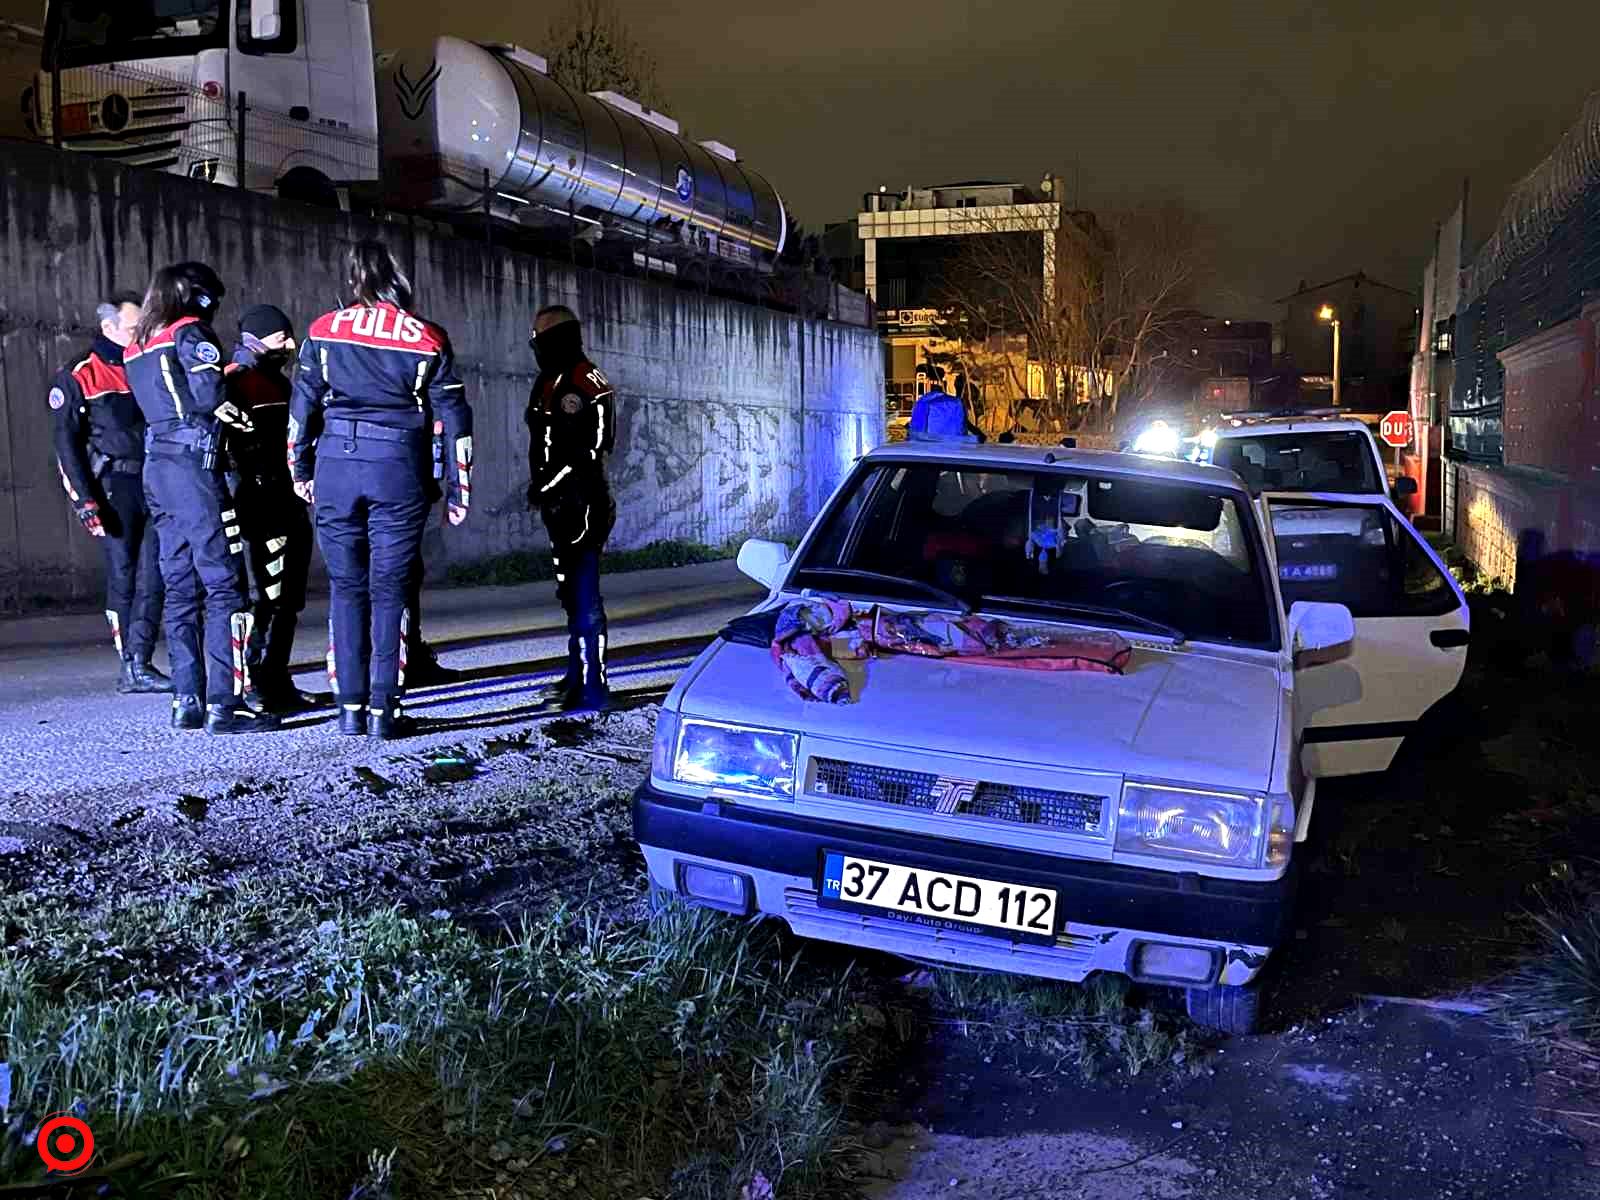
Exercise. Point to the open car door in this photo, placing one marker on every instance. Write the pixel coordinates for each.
(1411, 619)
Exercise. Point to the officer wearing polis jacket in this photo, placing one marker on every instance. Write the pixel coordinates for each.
(571, 429)
(174, 366)
(98, 434)
(375, 391)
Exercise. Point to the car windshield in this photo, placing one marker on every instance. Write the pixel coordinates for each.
(91, 31)
(1142, 554)
(1333, 460)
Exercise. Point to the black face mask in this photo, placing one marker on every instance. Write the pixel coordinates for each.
(557, 348)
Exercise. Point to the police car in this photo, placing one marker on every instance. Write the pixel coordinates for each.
(1310, 450)
(1056, 823)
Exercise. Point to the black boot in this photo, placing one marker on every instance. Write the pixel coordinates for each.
(594, 694)
(140, 678)
(236, 718)
(353, 721)
(188, 712)
(274, 687)
(389, 723)
(423, 668)
(563, 694)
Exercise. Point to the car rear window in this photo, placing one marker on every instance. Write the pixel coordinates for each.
(1310, 461)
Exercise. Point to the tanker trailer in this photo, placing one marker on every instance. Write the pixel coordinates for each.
(468, 130)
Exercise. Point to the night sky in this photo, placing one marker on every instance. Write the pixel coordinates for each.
(1320, 139)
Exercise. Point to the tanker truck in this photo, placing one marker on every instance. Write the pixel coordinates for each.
(286, 96)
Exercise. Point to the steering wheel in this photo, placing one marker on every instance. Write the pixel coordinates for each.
(1147, 597)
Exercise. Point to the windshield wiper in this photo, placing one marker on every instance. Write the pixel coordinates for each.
(950, 598)
(1100, 610)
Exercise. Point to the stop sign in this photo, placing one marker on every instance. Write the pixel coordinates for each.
(1396, 429)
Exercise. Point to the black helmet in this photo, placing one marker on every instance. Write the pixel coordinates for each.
(199, 288)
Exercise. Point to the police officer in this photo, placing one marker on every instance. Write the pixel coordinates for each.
(98, 433)
(375, 391)
(571, 428)
(174, 368)
(272, 519)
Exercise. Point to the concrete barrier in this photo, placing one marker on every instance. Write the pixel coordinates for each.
(733, 419)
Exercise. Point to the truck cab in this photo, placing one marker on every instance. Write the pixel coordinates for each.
(271, 95)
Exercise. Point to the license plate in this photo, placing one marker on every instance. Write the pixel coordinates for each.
(1296, 572)
(938, 898)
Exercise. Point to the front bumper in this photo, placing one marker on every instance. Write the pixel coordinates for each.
(1108, 908)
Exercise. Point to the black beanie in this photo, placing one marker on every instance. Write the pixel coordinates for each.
(263, 320)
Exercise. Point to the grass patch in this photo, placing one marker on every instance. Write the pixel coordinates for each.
(1083, 1028)
(1554, 993)
(536, 566)
(244, 1045)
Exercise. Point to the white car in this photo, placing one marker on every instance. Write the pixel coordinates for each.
(1056, 823)
(1313, 451)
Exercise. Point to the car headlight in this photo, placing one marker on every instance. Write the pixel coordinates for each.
(1219, 827)
(713, 754)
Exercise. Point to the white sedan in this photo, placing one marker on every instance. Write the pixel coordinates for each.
(1056, 823)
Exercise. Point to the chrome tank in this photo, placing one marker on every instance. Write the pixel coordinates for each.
(459, 122)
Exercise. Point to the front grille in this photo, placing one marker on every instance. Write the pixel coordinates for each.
(1075, 812)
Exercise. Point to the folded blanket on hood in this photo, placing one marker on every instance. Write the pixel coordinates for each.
(809, 635)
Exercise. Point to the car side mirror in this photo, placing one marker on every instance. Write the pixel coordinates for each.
(266, 20)
(1319, 632)
(763, 561)
(1405, 486)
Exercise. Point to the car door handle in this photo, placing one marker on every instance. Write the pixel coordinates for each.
(1448, 639)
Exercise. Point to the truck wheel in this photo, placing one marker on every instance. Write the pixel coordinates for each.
(1225, 1008)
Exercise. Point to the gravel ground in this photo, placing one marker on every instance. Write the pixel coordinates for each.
(492, 813)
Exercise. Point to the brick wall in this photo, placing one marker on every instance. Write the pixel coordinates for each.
(1497, 508)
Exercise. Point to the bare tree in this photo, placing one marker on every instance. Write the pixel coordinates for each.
(590, 49)
(1084, 304)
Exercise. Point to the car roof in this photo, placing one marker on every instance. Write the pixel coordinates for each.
(1108, 462)
(1293, 425)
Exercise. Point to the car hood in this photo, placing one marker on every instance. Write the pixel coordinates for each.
(1182, 715)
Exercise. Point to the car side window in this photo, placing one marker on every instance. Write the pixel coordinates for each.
(1359, 556)
(845, 528)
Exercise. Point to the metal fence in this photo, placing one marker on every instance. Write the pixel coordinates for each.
(143, 117)
(1532, 273)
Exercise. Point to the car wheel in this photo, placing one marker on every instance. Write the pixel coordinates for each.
(1224, 1008)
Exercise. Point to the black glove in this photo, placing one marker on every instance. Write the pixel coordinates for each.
(88, 512)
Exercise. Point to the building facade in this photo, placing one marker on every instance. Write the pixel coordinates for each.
(1433, 368)
(903, 248)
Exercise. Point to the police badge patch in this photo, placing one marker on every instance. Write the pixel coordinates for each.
(570, 404)
(206, 352)
(57, 397)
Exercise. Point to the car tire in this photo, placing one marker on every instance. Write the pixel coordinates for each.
(1225, 1008)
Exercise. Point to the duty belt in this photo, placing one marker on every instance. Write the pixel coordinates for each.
(126, 466)
(357, 431)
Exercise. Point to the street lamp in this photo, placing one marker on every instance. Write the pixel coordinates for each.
(1325, 313)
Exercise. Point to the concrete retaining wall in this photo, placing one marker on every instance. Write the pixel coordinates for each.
(733, 419)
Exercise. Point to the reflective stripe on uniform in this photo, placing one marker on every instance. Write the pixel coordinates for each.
(172, 387)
